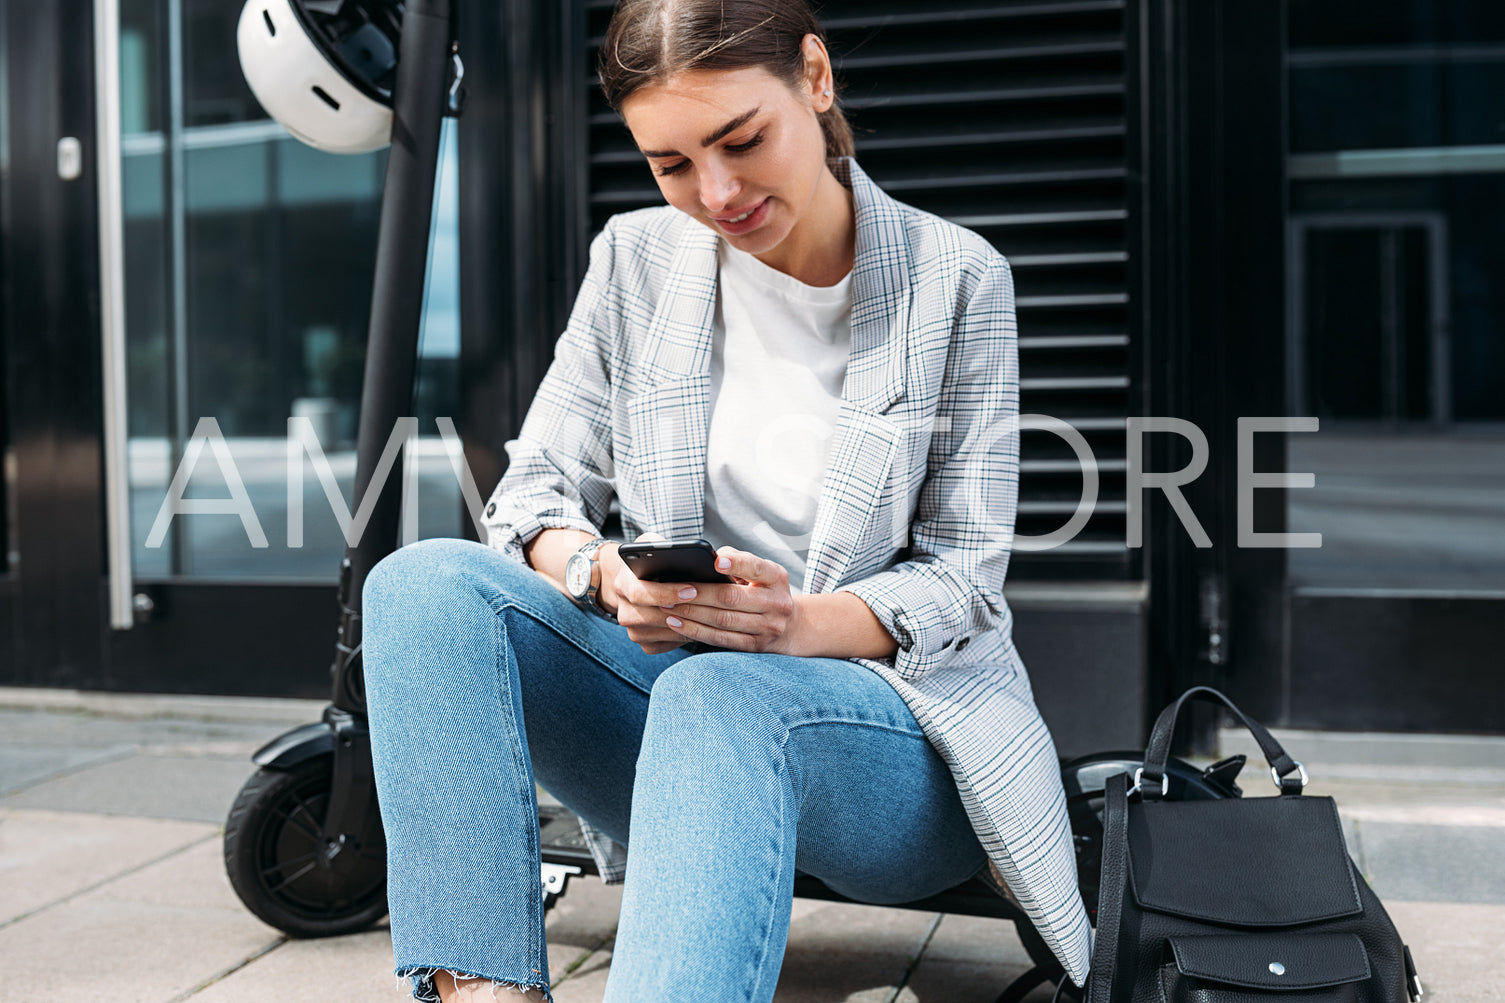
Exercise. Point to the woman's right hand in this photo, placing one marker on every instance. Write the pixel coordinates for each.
(633, 602)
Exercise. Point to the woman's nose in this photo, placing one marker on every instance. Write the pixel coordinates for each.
(718, 188)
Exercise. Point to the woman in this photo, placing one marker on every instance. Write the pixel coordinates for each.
(794, 365)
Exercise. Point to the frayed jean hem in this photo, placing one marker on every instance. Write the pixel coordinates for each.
(424, 991)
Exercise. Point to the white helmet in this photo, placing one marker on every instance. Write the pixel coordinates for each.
(323, 68)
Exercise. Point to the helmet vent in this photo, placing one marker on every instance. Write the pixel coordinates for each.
(324, 96)
(266, 16)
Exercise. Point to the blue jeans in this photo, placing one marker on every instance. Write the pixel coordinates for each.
(723, 772)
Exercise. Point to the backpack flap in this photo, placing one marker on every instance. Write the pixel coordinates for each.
(1270, 962)
(1250, 862)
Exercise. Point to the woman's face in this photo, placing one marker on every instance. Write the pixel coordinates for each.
(739, 150)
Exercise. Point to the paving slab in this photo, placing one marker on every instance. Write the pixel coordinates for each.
(182, 787)
(1357, 752)
(811, 975)
(587, 982)
(806, 977)
(968, 958)
(1434, 802)
(836, 951)
(149, 936)
(272, 710)
(1428, 863)
(141, 894)
(356, 968)
(49, 856)
(963, 982)
(977, 940)
(359, 968)
(854, 953)
(26, 766)
(581, 923)
(831, 928)
(80, 729)
(1456, 949)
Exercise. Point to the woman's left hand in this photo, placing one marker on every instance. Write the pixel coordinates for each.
(753, 613)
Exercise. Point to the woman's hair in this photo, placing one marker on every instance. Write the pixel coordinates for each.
(650, 40)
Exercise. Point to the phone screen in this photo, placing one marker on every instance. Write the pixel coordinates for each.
(664, 561)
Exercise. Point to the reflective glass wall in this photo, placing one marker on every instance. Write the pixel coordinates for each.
(249, 260)
(1396, 293)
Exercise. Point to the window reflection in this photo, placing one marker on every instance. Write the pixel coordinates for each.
(248, 290)
(1396, 270)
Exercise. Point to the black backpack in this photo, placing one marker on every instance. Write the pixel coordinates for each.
(1236, 900)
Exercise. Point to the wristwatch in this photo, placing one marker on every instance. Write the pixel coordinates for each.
(581, 581)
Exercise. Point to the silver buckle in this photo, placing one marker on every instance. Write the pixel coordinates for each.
(1165, 786)
(1302, 769)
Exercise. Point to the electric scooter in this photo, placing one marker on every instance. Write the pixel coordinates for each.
(303, 844)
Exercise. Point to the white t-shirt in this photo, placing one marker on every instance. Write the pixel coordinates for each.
(777, 366)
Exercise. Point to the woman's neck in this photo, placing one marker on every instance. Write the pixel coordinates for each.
(821, 248)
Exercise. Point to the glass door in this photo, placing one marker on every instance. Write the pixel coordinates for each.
(248, 261)
(150, 473)
(1395, 262)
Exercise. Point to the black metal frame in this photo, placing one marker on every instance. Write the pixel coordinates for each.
(521, 244)
(1211, 247)
(53, 627)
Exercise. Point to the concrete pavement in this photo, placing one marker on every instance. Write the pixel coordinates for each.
(112, 883)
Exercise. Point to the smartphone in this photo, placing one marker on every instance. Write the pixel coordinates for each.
(677, 561)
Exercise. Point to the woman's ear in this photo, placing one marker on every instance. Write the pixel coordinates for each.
(818, 75)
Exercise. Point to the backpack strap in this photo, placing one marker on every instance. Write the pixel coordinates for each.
(1111, 888)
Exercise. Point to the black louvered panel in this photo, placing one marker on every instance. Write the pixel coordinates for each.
(1007, 118)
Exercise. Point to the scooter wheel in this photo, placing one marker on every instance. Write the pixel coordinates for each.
(282, 869)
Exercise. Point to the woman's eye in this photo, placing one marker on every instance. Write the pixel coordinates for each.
(665, 172)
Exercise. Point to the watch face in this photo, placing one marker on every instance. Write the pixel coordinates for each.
(577, 575)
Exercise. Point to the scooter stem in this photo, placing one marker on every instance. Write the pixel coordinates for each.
(419, 100)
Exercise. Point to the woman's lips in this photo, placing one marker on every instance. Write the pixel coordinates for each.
(750, 223)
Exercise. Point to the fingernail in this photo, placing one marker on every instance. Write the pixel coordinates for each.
(666, 607)
(674, 621)
(687, 593)
(723, 563)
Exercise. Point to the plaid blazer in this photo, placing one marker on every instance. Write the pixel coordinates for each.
(915, 516)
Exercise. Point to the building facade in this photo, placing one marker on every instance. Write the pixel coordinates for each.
(1248, 240)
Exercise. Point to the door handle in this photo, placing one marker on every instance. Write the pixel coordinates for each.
(111, 304)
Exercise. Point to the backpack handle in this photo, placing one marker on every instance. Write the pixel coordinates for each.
(1159, 749)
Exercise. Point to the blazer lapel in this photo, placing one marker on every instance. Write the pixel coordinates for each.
(852, 521)
(670, 414)
(880, 297)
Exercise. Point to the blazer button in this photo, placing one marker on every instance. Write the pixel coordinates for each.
(963, 643)
(491, 510)
(906, 642)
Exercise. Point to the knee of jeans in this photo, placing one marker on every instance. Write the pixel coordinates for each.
(427, 572)
(714, 690)
(414, 585)
(396, 574)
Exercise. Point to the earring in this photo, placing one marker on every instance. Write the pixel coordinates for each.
(826, 92)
